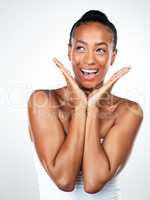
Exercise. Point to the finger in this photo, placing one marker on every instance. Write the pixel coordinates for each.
(61, 66)
(124, 68)
(110, 83)
(119, 74)
(66, 73)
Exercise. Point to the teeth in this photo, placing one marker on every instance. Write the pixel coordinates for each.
(89, 70)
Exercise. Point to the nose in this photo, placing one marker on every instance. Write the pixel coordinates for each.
(90, 58)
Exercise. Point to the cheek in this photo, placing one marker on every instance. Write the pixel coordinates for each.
(104, 60)
(103, 72)
(104, 64)
(77, 60)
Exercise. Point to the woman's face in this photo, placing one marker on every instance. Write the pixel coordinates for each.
(91, 53)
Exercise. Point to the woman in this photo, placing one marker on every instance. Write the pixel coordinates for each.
(83, 133)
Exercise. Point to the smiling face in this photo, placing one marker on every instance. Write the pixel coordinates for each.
(91, 53)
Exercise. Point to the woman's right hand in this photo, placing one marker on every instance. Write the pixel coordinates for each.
(77, 97)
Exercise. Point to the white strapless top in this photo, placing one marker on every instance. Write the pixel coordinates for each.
(49, 191)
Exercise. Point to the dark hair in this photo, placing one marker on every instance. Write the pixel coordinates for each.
(95, 16)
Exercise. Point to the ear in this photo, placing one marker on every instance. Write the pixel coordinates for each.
(69, 51)
(114, 53)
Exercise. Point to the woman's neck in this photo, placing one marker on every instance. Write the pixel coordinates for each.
(87, 91)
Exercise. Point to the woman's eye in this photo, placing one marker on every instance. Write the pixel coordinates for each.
(101, 51)
(79, 48)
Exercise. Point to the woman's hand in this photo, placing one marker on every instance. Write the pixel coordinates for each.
(97, 94)
(77, 97)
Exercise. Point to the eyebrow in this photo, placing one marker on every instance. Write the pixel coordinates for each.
(97, 44)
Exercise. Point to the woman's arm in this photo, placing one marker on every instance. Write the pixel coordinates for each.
(101, 161)
(61, 157)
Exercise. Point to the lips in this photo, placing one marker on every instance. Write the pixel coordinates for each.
(89, 73)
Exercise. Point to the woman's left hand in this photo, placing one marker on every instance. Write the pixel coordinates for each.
(97, 94)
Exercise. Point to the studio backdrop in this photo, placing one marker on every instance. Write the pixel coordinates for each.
(31, 34)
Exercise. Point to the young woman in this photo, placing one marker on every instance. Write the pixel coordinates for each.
(82, 133)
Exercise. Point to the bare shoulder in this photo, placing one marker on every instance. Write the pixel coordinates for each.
(38, 96)
(129, 106)
(42, 99)
(41, 105)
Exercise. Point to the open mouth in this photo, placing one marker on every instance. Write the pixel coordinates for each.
(89, 73)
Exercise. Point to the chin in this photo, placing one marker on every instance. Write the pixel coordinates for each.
(89, 86)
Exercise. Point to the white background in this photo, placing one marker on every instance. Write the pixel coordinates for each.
(31, 34)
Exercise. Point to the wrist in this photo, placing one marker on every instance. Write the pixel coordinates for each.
(79, 112)
(92, 102)
(80, 109)
(92, 109)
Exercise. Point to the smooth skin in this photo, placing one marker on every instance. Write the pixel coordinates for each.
(66, 124)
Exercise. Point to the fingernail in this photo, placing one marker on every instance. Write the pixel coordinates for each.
(54, 59)
(56, 62)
